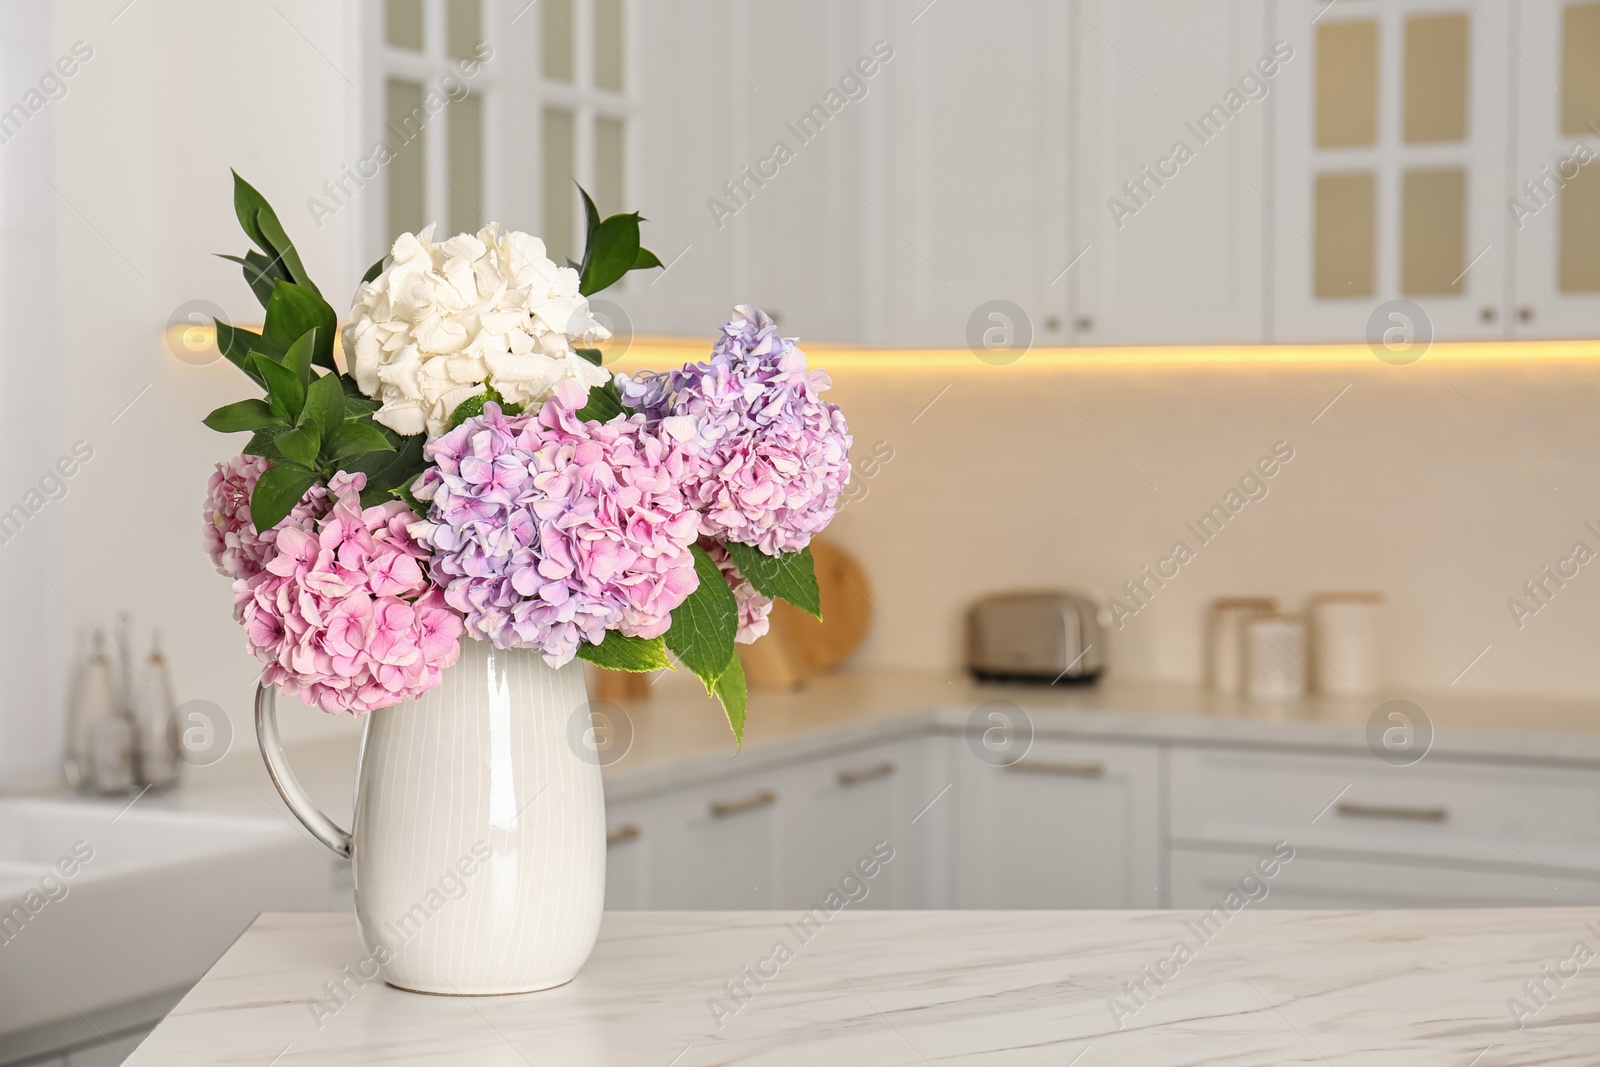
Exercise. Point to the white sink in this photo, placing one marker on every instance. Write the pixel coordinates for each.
(153, 897)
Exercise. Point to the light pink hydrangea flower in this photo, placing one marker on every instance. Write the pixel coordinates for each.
(343, 613)
(776, 455)
(754, 608)
(231, 539)
(548, 530)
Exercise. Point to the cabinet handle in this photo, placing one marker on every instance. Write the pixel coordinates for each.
(866, 774)
(1385, 811)
(1525, 314)
(623, 834)
(1092, 769)
(724, 808)
(1085, 323)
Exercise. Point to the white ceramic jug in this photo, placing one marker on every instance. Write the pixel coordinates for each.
(479, 840)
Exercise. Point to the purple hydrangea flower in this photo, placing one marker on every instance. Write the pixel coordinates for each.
(775, 456)
(548, 530)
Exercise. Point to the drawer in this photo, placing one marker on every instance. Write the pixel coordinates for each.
(1203, 879)
(1520, 816)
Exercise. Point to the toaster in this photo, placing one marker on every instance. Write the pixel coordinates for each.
(1047, 636)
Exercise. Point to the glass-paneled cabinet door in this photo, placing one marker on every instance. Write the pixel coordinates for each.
(1392, 137)
(1553, 205)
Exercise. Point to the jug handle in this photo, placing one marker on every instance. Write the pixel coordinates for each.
(322, 828)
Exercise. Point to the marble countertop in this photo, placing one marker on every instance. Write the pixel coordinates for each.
(1375, 988)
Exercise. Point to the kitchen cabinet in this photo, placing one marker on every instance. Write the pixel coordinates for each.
(1553, 204)
(1203, 879)
(1171, 171)
(1070, 825)
(718, 845)
(1392, 135)
(839, 809)
(632, 830)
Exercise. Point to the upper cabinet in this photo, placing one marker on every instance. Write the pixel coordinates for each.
(1391, 145)
(1171, 175)
(1552, 200)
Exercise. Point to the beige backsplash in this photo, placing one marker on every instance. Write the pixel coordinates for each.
(1445, 486)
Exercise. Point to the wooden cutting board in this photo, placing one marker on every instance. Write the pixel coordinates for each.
(798, 646)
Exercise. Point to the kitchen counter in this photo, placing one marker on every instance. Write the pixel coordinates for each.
(1267, 987)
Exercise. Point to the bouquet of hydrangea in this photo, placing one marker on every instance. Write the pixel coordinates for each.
(472, 471)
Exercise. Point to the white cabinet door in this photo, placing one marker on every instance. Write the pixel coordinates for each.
(1392, 138)
(717, 846)
(963, 199)
(1071, 825)
(847, 812)
(1553, 207)
(633, 830)
(1168, 191)
(1204, 879)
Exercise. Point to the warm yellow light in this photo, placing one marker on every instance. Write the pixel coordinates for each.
(659, 353)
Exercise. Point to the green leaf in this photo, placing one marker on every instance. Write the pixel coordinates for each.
(261, 225)
(472, 406)
(390, 470)
(245, 415)
(593, 355)
(604, 403)
(703, 626)
(262, 443)
(730, 689)
(591, 223)
(325, 405)
(301, 444)
(645, 260)
(611, 254)
(374, 270)
(285, 392)
(403, 493)
(298, 357)
(790, 576)
(350, 439)
(292, 312)
(619, 653)
(260, 273)
(278, 490)
(236, 344)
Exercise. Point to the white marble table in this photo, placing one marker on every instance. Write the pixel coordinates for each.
(1414, 988)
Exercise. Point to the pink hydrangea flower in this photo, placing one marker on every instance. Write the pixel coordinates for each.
(231, 539)
(343, 613)
(548, 530)
(776, 456)
(754, 608)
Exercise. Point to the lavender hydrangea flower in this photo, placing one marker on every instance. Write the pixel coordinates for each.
(775, 456)
(548, 530)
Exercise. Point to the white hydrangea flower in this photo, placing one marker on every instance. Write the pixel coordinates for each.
(444, 321)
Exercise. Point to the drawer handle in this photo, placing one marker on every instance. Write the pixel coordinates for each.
(724, 808)
(866, 774)
(1384, 811)
(1092, 769)
(623, 834)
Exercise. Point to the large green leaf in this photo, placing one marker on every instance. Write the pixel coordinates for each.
(285, 392)
(236, 345)
(703, 626)
(292, 312)
(278, 490)
(373, 271)
(619, 653)
(298, 356)
(790, 576)
(735, 697)
(325, 405)
(604, 403)
(301, 445)
(472, 406)
(645, 260)
(261, 225)
(260, 273)
(244, 415)
(611, 254)
(261, 442)
(352, 439)
(591, 223)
